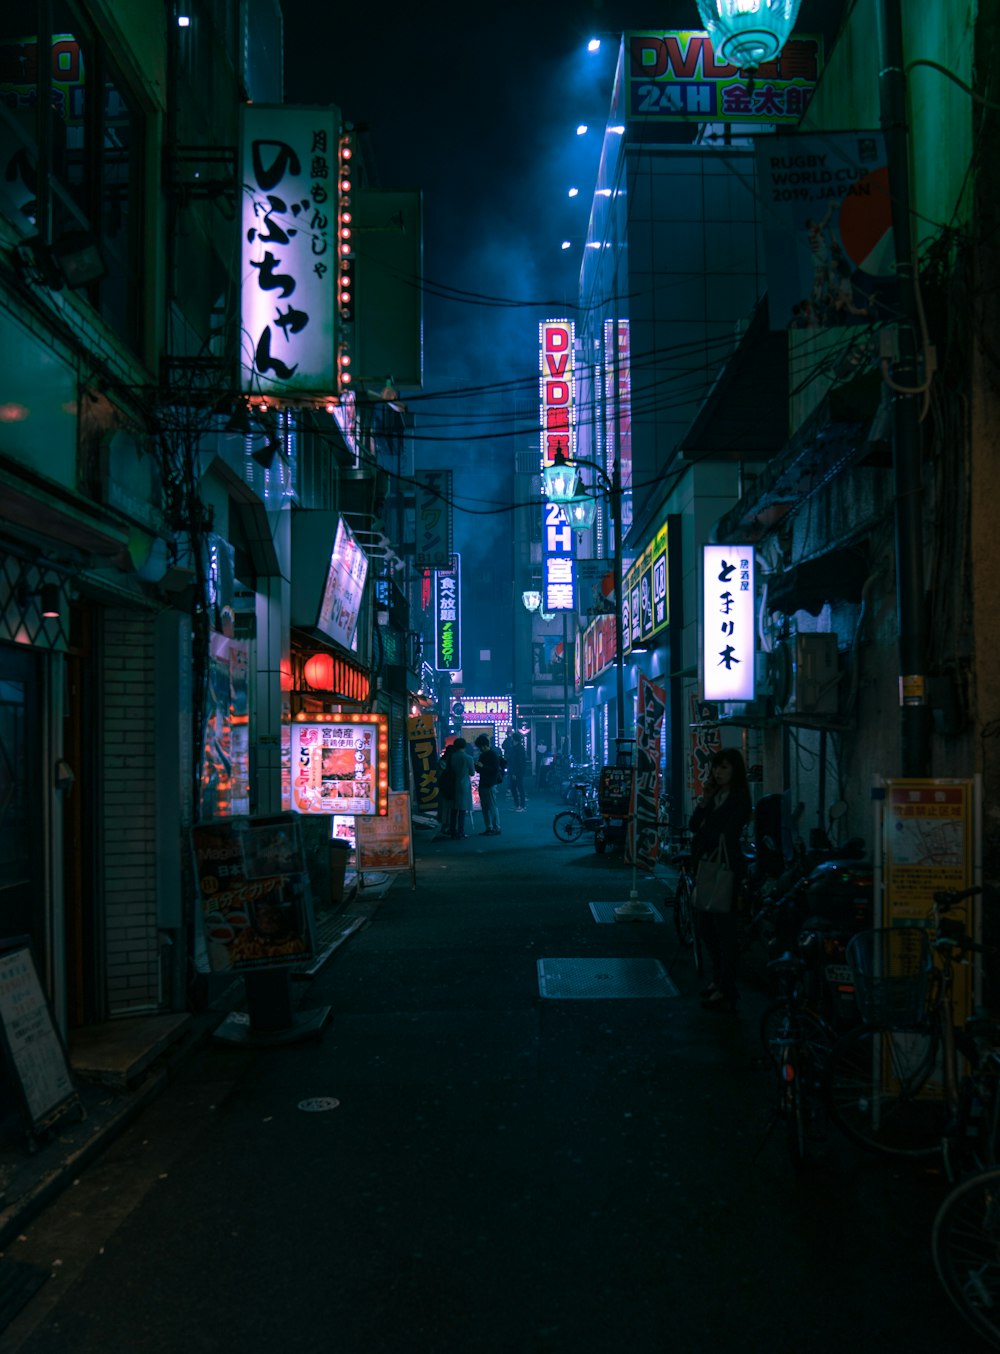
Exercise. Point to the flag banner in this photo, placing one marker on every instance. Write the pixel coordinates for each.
(643, 843)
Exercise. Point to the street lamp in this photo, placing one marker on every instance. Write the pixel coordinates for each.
(562, 485)
(746, 33)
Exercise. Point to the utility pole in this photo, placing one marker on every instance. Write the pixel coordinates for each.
(906, 378)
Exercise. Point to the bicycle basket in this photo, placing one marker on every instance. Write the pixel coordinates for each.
(892, 968)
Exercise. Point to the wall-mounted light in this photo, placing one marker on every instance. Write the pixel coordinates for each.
(532, 600)
(48, 597)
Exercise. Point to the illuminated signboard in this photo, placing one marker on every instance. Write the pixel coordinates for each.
(557, 388)
(345, 585)
(676, 77)
(340, 764)
(448, 617)
(646, 609)
(485, 709)
(728, 623)
(289, 256)
(434, 514)
(558, 583)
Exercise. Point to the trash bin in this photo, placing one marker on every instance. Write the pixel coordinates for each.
(339, 852)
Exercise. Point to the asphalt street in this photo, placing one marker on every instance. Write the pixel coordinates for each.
(463, 1165)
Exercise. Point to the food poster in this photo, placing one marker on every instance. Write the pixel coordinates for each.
(386, 843)
(254, 897)
(335, 768)
(225, 778)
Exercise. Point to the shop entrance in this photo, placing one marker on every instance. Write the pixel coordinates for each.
(22, 853)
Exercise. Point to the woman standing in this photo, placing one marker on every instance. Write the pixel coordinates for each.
(723, 812)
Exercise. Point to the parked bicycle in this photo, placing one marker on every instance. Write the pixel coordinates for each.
(965, 1244)
(681, 899)
(907, 1083)
(798, 1043)
(569, 825)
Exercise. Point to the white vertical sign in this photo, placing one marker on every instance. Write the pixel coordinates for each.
(728, 623)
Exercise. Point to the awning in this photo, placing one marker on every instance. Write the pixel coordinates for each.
(837, 576)
(745, 417)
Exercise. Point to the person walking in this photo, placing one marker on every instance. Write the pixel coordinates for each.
(517, 767)
(488, 767)
(463, 764)
(723, 812)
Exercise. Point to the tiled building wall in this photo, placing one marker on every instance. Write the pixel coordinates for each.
(129, 813)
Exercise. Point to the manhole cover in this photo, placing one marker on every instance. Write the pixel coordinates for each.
(318, 1104)
(596, 978)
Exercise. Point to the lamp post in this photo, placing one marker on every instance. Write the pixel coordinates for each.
(562, 483)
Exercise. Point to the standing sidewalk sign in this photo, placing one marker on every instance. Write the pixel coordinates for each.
(386, 844)
(33, 1048)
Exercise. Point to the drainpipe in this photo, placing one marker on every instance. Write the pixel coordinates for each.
(914, 711)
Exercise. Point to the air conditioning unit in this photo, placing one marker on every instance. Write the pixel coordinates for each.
(803, 674)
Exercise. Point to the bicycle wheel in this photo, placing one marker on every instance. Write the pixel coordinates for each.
(879, 1090)
(685, 921)
(568, 826)
(790, 1073)
(965, 1244)
(776, 1022)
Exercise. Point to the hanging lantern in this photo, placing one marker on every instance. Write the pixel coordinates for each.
(318, 671)
(580, 512)
(531, 599)
(747, 33)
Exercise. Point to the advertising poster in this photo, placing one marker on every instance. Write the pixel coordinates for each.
(345, 586)
(386, 844)
(827, 218)
(422, 738)
(643, 841)
(339, 765)
(254, 897)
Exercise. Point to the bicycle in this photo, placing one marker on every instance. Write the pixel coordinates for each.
(682, 902)
(569, 825)
(965, 1245)
(798, 1042)
(893, 1084)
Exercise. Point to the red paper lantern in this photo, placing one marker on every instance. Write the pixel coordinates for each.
(318, 672)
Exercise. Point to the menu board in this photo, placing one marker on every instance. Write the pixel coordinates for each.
(253, 892)
(387, 843)
(338, 767)
(34, 1050)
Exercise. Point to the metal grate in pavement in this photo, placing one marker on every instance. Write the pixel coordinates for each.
(606, 911)
(19, 1283)
(581, 979)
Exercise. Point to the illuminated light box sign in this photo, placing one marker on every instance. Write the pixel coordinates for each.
(340, 764)
(728, 623)
(676, 77)
(289, 252)
(558, 583)
(345, 586)
(484, 709)
(557, 388)
(448, 617)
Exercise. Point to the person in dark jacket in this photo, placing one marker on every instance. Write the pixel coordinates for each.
(723, 812)
(517, 765)
(488, 766)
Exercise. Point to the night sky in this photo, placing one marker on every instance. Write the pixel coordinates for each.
(478, 107)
